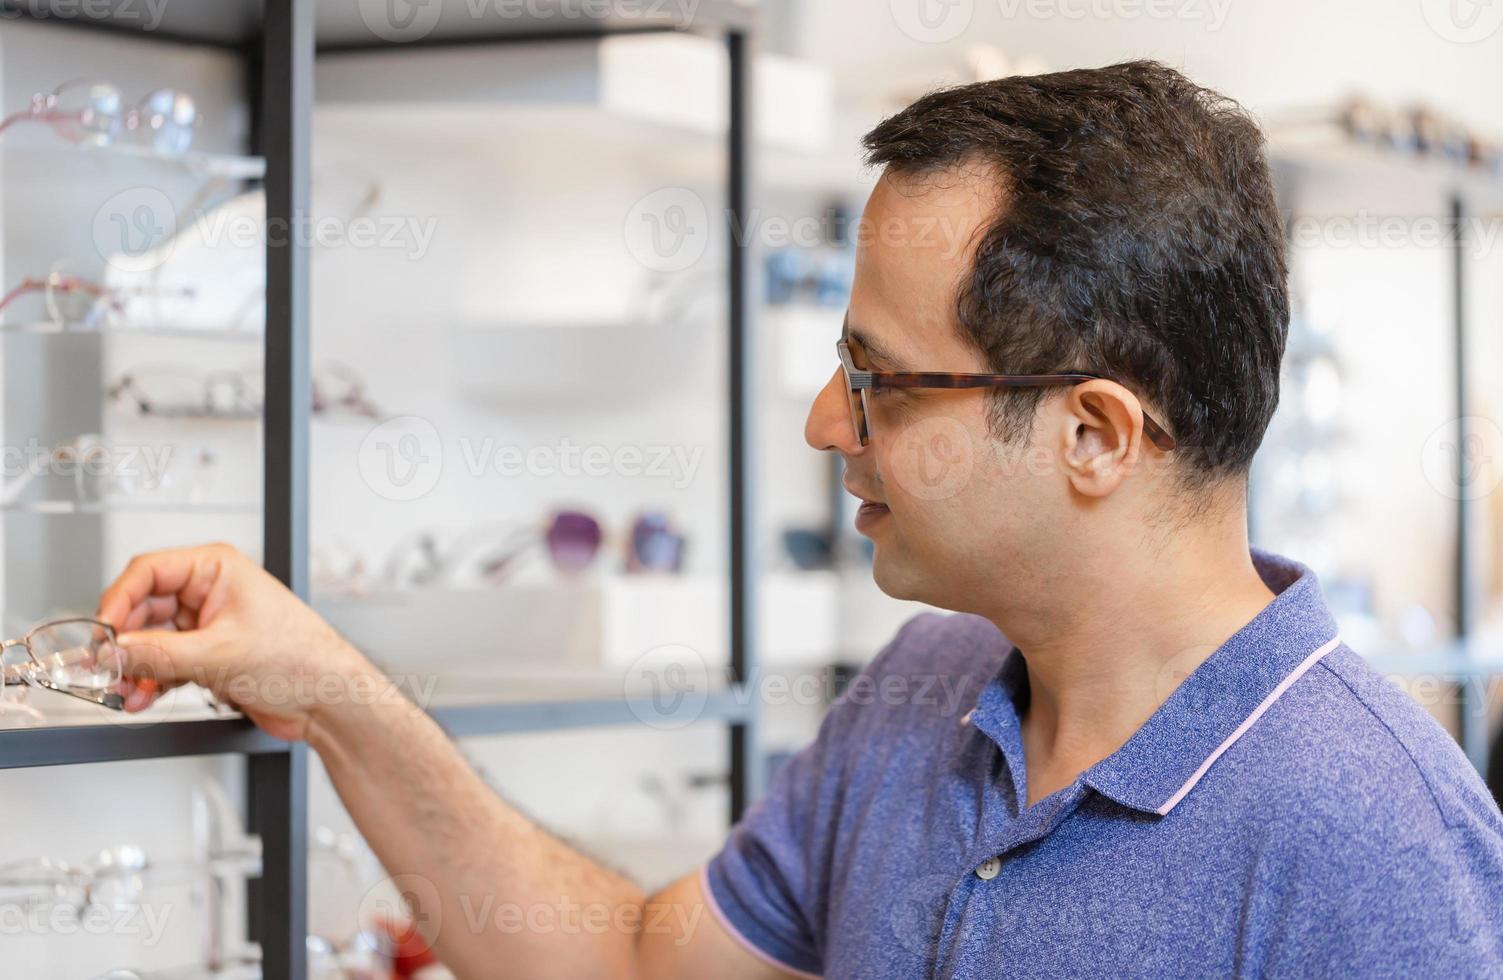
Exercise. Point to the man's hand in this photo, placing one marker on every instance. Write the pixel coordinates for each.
(212, 616)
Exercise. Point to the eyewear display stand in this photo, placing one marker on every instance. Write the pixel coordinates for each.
(279, 40)
(1344, 178)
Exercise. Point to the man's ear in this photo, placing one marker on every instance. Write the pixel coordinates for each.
(1101, 435)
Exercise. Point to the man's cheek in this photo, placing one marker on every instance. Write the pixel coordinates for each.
(931, 460)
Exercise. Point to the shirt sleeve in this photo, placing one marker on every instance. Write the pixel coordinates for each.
(770, 884)
(1434, 908)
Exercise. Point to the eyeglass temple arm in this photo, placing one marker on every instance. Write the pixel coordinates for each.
(1156, 433)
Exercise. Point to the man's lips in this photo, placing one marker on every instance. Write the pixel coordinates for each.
(870, 512)
(864, 498)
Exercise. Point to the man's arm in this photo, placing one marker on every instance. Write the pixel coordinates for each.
(487, 886)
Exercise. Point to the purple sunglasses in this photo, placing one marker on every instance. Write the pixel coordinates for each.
(574, 539)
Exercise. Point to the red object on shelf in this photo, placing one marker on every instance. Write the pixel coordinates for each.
(409, 950)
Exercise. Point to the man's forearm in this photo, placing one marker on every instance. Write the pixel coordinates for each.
(504, 889)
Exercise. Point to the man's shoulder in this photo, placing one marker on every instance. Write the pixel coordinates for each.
(1346, 751)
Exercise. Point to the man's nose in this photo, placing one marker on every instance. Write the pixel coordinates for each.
(829, 425)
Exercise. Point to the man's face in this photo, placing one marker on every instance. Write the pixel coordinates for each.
(950, 508)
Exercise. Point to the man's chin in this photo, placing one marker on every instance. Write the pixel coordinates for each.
(895, 577)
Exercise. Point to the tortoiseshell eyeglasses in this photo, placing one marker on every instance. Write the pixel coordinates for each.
(862, 383)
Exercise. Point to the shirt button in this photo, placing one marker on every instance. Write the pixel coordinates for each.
(989, 869)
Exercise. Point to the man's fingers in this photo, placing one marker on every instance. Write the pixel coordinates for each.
(187, 573)
(157, 610)
(164, 656)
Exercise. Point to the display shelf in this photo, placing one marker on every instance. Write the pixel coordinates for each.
(55, 508)
(67, 160)
(1339, 175)
(343, 24)
(212, 334)
(23, 748)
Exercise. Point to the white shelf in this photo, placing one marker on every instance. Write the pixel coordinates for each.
(216, 334)
(1335, 174)
(62, 507)
(64, 157)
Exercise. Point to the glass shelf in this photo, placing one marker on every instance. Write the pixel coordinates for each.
(57, 507)
(215, 166)
(217, 334)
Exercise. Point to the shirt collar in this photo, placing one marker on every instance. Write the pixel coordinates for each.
(1219, 701)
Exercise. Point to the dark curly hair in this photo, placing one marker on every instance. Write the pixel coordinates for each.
(1138, 238)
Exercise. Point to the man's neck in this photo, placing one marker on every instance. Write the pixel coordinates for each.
(1117, 646)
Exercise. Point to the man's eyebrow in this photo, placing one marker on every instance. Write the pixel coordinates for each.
(873, 349)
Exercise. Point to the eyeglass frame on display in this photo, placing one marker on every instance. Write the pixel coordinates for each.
(860, 382)
(44, 105)
(127, 385)
(108, 299)
(35, 673)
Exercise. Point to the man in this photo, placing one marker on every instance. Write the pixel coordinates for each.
(1171, 767)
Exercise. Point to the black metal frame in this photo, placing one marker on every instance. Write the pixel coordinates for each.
(279, 62)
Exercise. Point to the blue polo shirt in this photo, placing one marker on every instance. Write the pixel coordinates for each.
(1287, 811)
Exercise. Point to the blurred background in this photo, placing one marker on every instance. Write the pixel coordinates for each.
(573, 274)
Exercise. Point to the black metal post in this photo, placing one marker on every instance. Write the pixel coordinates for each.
(1465, 607)
(744, 772)
(277, 784)
(1472, 722)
